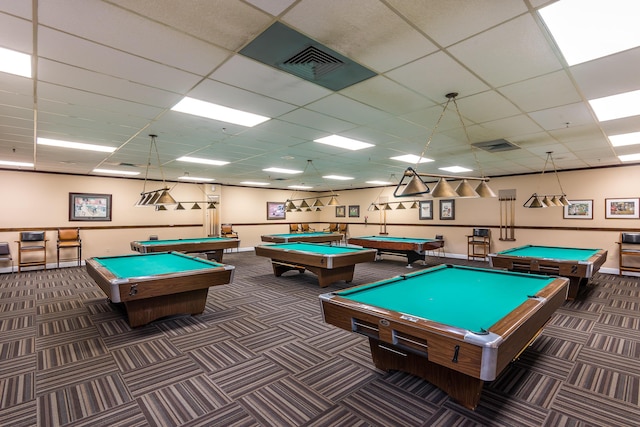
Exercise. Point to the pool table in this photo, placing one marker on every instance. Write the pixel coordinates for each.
(159, 284)
(329, 262)
(212, 246)
(453, 326)
(413, 248)
(310, 237)
(577, 264)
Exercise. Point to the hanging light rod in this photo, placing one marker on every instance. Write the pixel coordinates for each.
(411, 172)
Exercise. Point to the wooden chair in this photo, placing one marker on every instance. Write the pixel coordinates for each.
(629, 254)
(5, 253)
(344, 230)
(69, 238)
(306, 228)
(479, 244)
(440, 251)
(32, 242)
(294, 228)
(333, 228)
(226, 230)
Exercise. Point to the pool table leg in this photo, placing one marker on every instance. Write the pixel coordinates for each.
(575, 283)
(146, 310)
(460, 387)
(328, 276)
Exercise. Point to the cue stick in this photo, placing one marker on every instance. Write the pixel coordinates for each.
(513, 217)
(501, 206)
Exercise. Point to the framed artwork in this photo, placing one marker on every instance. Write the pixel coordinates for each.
(354, 211)
(89, 207)
(426, 209)
(621, 208)
(340, 211)
(448, 209)
(579, 209)
(276, 210)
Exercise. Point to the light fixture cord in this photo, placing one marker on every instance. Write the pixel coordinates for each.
(310, 162)
(146, 172)
(466, 134)
(153, 139)
(433, 131)
(556, 172)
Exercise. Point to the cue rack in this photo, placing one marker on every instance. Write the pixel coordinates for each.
(507, 200)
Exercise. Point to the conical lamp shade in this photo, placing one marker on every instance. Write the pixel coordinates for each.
(196, 206)
(415, 186)
(154, 197)
(147, 198)
(443, 189)
(308, 209)
(165, 199)
(318, 203)
(556, 201)
(534, 202)
(161, 208)
(376, 208)
(333, 201)
(211, 206)
(484, 190)
(179, 207)
(414, 205)
(372, 207)
(304, 204)
(547, 201)
(564, 200)
(400, 206)
(387, 207)
(290, 206)
(466, 190)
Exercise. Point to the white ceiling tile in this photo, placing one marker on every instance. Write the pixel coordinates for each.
(538, 93)
(508, 53)
(610, 75)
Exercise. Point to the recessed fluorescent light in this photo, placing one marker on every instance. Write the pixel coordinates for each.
(75, 145)
(625, 139)
(379, 182)
(203, 161)
(281, 170)
(13, 62)
(629, 157)
(412, 158)
(218, 112)
(342, 142)
(455, 169)
(195, 178)
(617, 106)
(300, 187)
(338, 177)
(590, 29)
(116, 172)
(255, 183)
(17, 164)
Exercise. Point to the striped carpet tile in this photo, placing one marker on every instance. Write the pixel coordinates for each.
(220, 355)
(17, 389)
(144, 354)
(336, 378)
(82, 400)
(338, 416)
(21, 415)
(247, 376)
(11, 348)
(499, 410)
(306, 326)
(69, 353)
(416, 386)
(232, 415)
(383, 404)
(529, 386)
(283, 403)
(593, 410)
(197, 339)
(263, 340)
(616, 345)
(161, 374)
(47, 381)
(13, 307)
(296, 356)
(241, 327)
(179, 403)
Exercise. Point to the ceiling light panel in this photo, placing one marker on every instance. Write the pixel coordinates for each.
(342, 142)
(218, 112)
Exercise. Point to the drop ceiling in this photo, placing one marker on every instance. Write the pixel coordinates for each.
(108, 73)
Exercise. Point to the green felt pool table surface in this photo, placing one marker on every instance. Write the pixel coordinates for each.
(480, 297)
(213, 246)
(129, 266)
(181, 241)
(316, 236)
(551, 252)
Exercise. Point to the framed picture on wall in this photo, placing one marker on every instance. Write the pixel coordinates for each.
(340, 211)
(426, 209)
(354, 211)
(621, 208)
(276, 210)
(579, 209)
(447, 209)
(89, 207)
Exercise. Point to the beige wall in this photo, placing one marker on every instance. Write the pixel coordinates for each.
(40, 200)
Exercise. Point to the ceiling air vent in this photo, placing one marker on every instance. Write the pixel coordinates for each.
(286, 49)
(496, 145)
(311, 63)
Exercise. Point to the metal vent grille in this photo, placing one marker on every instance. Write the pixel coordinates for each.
(311, 63)
(496, 145)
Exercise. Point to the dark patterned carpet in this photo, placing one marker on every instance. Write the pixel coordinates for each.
(260, 355)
